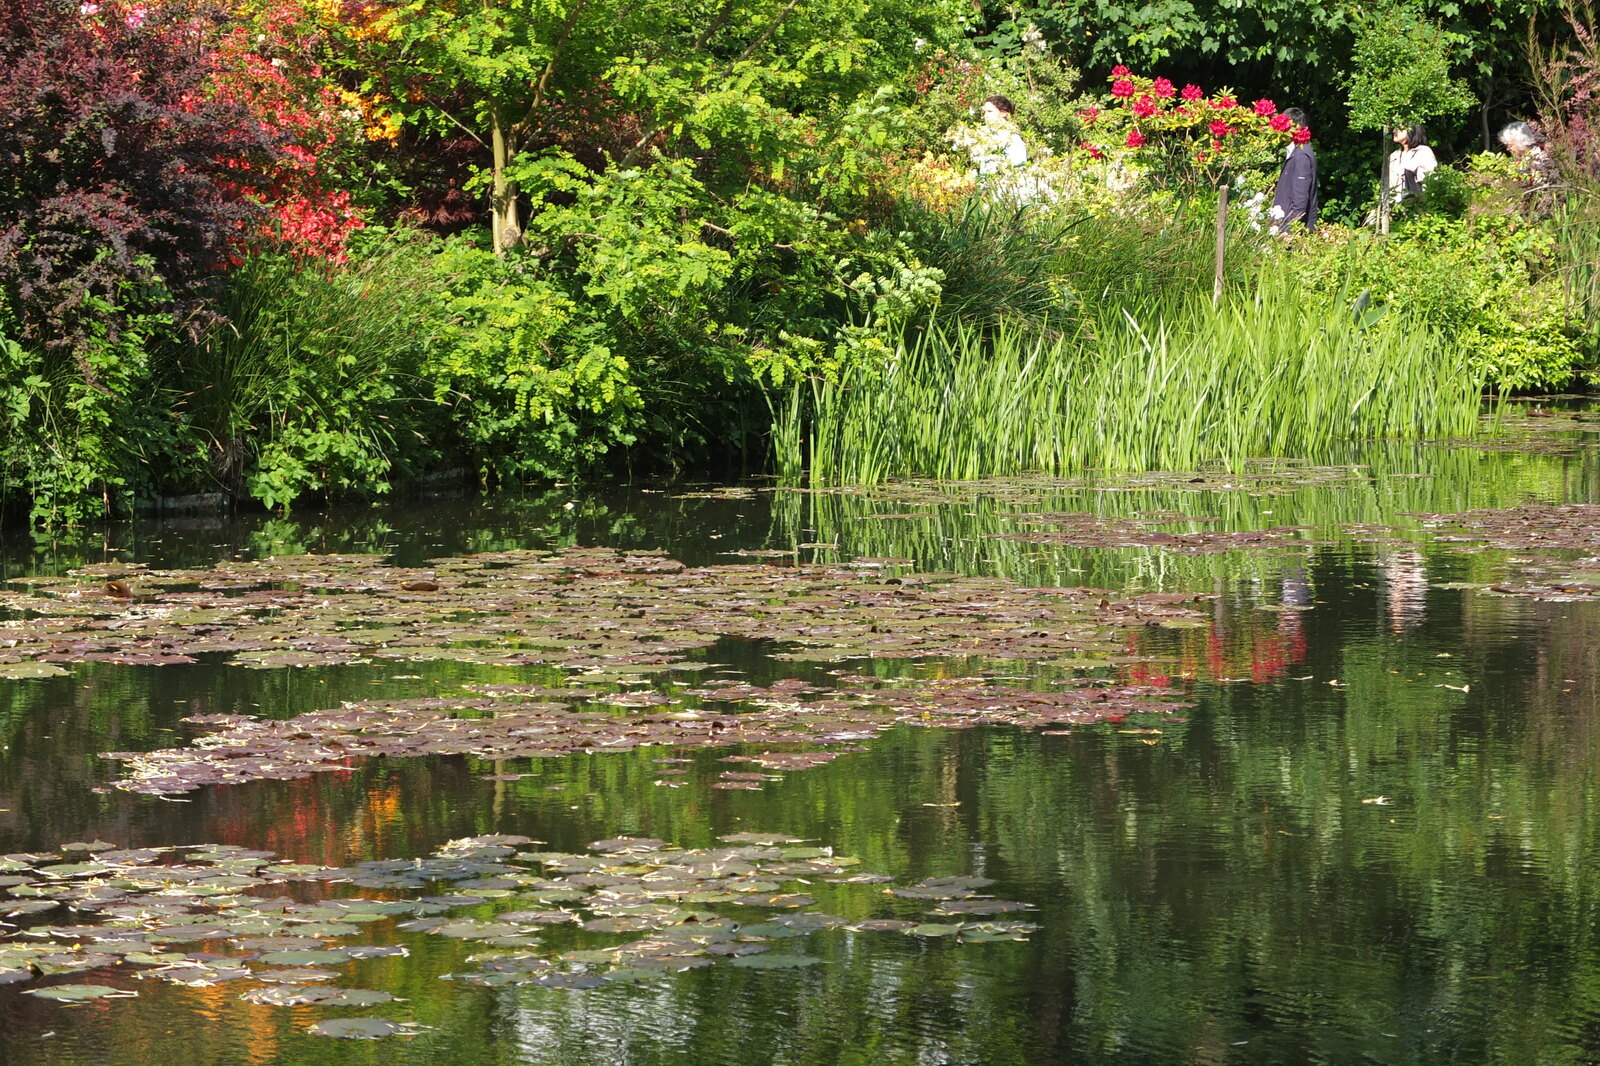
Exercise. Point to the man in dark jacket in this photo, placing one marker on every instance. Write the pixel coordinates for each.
(1295, 199)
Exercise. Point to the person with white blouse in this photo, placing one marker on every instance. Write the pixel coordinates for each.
(1410, 163)
(1001, 146)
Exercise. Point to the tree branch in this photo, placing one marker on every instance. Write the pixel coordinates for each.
(766, 35)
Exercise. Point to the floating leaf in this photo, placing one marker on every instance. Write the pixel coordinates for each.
(79, 993)
(773, 962)
(21, 671)
(934, 929)
(356, 1028)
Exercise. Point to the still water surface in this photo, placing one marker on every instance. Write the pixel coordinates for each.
(1374, 841)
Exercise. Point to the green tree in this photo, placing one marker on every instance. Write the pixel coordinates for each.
(1401, 77)
(711, 79)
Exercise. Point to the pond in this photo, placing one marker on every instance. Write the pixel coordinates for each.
(1307, 774)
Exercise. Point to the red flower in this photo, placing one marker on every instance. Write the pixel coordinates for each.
(1089, 114)
(1225, 103)
(1122, 87)
(1266, 108)
(1093, 150)
(1281, 123)
(1135, 139)
(1220, 128)
(1162, 88)
(1120, 71)
(1302, 134)
(1144, 107)
(1193, 92)
(1200, 156)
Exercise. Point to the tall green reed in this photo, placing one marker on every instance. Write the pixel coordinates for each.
(1270, 372)
(294, 389)
(1577, 252)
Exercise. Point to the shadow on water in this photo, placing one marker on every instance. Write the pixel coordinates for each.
(1372, 840)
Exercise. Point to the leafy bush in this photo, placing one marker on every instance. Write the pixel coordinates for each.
(78, 435)
(1447, 192)
(311, 386)
(116, 169)
(533, 388)
(1482, 282)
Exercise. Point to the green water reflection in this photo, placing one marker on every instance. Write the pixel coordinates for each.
(1372, 842)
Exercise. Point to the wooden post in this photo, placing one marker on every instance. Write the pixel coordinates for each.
(1222, 240)
(1385, 193)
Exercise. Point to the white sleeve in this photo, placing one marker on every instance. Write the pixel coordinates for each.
(1424, 163)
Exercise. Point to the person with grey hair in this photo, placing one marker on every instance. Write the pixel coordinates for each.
(1521, 140)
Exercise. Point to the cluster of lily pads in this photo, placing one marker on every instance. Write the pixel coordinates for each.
(520, 722)
(598, 611)
(203, 916)
(1565, 527)
(602, 615)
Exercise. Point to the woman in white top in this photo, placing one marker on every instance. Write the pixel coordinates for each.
(1001, 146)
(1411, 163)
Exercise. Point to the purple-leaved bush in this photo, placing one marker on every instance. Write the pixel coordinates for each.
(114, 169)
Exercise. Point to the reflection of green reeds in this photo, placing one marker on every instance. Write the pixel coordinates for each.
(1274, 373)
(962, 526)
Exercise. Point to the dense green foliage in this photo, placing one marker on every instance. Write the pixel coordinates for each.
(603, 237)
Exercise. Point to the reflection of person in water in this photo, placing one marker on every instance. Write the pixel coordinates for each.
(1404, 576)
(1295, 595)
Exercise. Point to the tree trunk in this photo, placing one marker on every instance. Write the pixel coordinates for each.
(1222, 241)
(1385, 193)
(503, 195)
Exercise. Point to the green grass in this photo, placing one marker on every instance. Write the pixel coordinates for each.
(1268, 373)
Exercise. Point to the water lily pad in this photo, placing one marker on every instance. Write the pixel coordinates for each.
(23, 670)
(356, 1028)
(323, 957)
(773, 962)
(980, 906)
(934, 929)
(357, 997)
(290, 995)
(79, 993)
(575, 981)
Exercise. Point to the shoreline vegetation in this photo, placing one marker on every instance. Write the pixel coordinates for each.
(326, 252)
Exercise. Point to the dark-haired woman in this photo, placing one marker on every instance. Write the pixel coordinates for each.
(1002, 147)
(1410, 163)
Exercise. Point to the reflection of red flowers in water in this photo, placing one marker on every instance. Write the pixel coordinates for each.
(1238, 645)
(1122, 88)
(1302, 134)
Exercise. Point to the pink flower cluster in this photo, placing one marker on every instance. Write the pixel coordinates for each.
(1217, 132)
